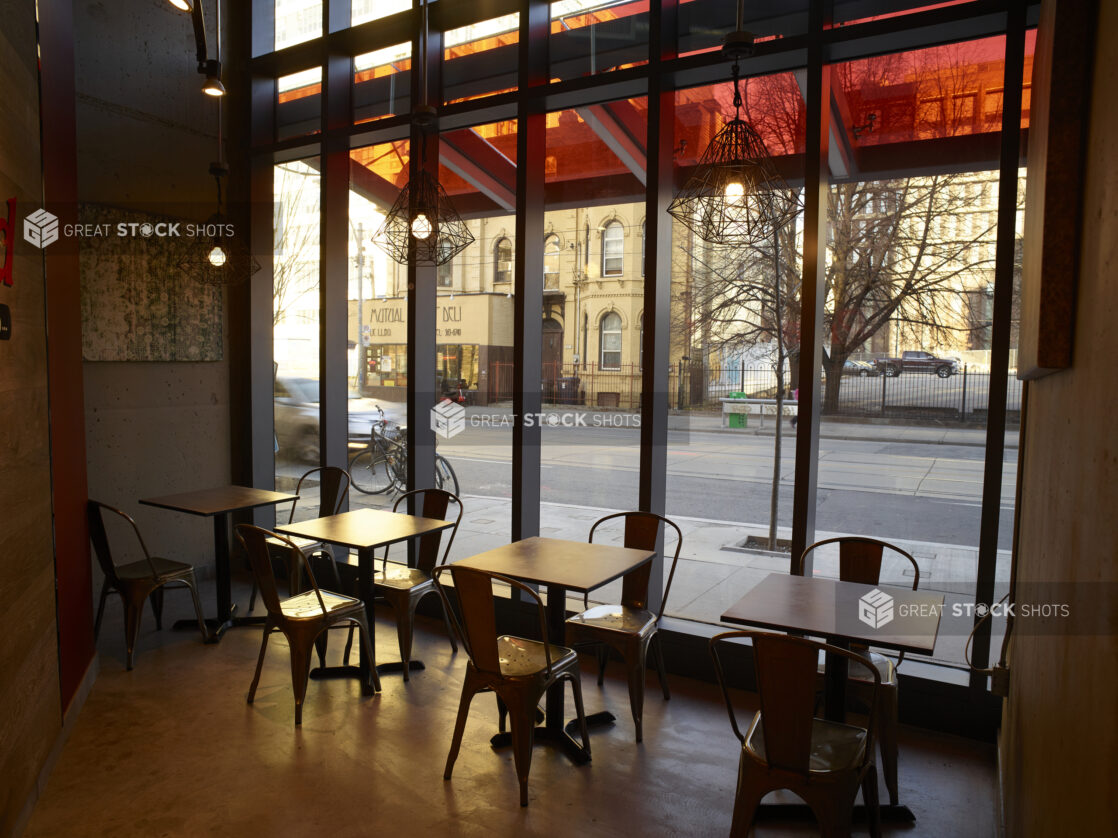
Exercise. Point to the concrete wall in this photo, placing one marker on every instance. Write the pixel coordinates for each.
(29, 680)
(146, 136)
(1060, 728)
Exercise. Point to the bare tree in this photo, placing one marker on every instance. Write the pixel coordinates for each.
(296, 237)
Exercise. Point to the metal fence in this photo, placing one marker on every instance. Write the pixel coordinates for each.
(963, 397)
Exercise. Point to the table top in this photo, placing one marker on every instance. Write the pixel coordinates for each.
(906, 620)
(365, 528)
(219, 500)
(575, 565)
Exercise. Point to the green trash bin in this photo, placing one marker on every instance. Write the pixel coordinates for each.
(739, 420)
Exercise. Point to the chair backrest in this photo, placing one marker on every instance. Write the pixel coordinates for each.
(435, 504)
(474, 619)
(99, 536)
(641, 532)
(255, 541)
(333, 487)
(860, 559)
(785, 667)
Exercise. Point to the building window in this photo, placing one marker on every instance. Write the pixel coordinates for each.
(502, 261)
(640, 350)
(613, 249)
(644, 246)
(551, 262)
(443, 272)
(609, 339)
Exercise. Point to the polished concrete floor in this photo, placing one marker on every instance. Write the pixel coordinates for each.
(173, 749)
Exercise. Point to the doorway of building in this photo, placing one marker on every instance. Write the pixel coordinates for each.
(552, 358)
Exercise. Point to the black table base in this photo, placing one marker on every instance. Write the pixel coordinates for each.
(326, 673)
(548, 736)
(215, 627)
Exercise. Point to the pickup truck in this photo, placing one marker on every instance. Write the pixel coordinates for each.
(916, 362)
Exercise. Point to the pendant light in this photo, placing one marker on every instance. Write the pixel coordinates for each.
(422, 224)
(735, 195)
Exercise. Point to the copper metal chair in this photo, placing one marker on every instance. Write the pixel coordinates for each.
(786, 747)
(860, 561)
(629, 628)
(333, 483)
(518, 670)
(302, 618)
(402, 586)
(136, 581)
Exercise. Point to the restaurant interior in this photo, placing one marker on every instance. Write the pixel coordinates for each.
(413, 325)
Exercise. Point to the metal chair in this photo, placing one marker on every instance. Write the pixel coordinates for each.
(520, 671)
(860, 561)
(136, 581)
(303, 618)
(786, 747)
(402, 586)
(629, 628)
(333, 483)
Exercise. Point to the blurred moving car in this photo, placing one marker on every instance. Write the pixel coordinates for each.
(859, 368)
(297, 411)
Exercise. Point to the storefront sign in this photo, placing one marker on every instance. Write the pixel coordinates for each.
(465, 319)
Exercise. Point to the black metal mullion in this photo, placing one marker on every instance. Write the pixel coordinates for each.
(814, 291)
(1000, 336)
(531, 150)
(659, 191)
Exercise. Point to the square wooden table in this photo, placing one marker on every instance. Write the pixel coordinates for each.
(843, 613)
(218, 503)
(365, 530)
(561, 566)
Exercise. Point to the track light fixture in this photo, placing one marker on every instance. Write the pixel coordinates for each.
(182, 5)
(213, 85)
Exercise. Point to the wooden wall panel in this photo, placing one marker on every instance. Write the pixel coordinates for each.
(29, 685)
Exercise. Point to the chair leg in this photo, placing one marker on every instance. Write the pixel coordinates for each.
(348, 646)
(133, 610)
(580, 711)
(523, 719)
(834, 807)
(300, 672)
(100, 609)
(363, 628)
(405, 621)
(869, 798)
(252, 596)
(634, 660)
(751, 788)
(887, 739)
(320, 648)
(449, 629)
(468, 690)
(602, 652)
(190, 583)
(661, 670)
(502, 715)
(268, 626)
(157, 607)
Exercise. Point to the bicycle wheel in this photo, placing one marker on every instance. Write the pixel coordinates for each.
(370, 471)
(445, 478)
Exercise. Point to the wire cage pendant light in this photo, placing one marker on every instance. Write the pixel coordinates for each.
(422, 224)
(735, 195)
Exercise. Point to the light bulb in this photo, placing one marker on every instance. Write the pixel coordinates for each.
(735, 190)
(182, 5)
(217, 256)
(421, 226)
(213, 87)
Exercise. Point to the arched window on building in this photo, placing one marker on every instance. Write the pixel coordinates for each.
(443, 272)
(551, 262)
(502, 261)
(609, 341)
(640, 349)
(613, 249)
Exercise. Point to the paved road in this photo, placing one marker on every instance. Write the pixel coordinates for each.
(918, 491)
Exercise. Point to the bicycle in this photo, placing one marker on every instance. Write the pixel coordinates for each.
(382, 466)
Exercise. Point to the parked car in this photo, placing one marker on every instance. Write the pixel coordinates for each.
(915, 361)
(297, 411)
(859, 368)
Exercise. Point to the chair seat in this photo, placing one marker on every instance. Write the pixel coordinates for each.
(305, 606)
(402, 577)
(886, 667)
(520, 657)
(304, 544)
(619, 618)
(834, 746)
(142, 570)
